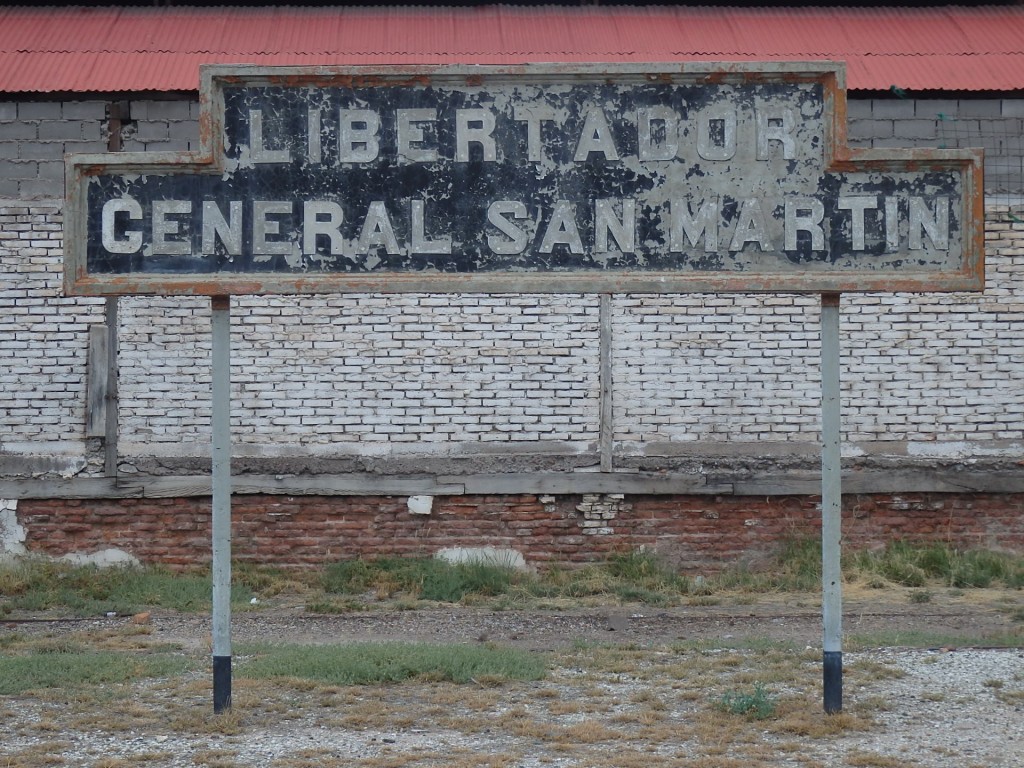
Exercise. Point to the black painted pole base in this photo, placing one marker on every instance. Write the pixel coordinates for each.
(221, 684)
(833, 679)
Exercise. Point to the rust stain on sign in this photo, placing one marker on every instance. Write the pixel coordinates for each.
(556, 178)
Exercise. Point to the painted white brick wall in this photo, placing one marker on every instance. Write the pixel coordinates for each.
(939, 373)
(365, 373)
(374, 375)
(43, 337)
(714, 368)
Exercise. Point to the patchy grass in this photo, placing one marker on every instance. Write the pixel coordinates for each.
(917, 565)
(71, 666)
(426, 578)
(913, 638)
(375, 663)
(32, 585)
(599, 705)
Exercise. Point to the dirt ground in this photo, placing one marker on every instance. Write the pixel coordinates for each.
(628, 686)
(882, 615)
(870, 617)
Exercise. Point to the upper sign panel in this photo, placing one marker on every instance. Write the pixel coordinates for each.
(667, 178)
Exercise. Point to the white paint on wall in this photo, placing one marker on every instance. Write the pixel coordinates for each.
(105, 558)
(498, 556)
(12, 534)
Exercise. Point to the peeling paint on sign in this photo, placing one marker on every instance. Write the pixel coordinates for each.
(668, 179)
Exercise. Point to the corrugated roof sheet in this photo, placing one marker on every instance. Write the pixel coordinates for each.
(81, 49)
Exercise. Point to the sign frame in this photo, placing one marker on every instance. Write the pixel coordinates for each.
(969, 276)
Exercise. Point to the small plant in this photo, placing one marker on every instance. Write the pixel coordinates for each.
(920, 596)
(757, 705)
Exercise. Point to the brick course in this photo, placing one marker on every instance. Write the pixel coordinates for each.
(696, 533)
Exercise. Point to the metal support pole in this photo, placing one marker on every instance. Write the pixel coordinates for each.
(831, 506)
(221, 524)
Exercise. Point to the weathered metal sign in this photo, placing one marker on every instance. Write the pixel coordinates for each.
(640, 178)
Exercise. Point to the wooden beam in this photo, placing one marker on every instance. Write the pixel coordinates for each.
(633, 483)
(555, 483)
(60, 488)
(294, 485)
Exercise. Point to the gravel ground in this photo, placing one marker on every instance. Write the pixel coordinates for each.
(953, 706)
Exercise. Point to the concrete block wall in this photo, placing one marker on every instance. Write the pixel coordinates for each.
(994, 124)
(35, 136)
(161, 126)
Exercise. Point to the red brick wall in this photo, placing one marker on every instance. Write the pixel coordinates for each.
(697, 532)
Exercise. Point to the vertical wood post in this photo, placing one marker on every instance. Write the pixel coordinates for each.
(110, 429)
(97, 370)
(606, 413)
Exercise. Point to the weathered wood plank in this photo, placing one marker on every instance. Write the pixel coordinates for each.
(589, 482)
(166, 487)
(802, 484)
(295, 485)
(606, 417)
(935, 481)
(96, 382)
(110, 432)
(349, 485)
(632, 483)
(59, 488)
(888, 481)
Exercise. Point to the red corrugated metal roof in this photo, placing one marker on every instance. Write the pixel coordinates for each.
(160, 48)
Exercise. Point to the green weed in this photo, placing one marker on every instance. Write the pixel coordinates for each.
(629, 577)
(912, 638)
(756, 705)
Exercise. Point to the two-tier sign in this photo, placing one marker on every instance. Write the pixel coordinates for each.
(661, 178)
(653, 178)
